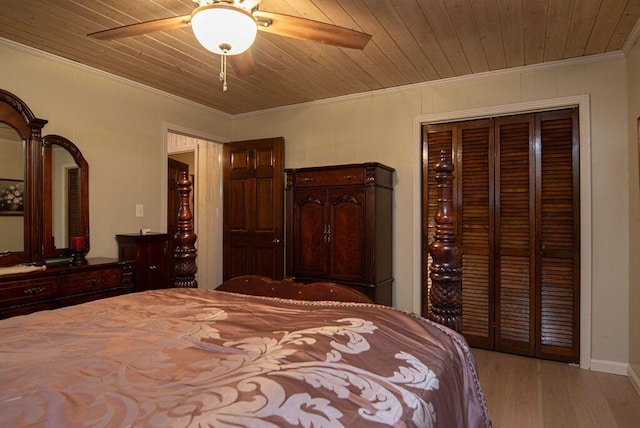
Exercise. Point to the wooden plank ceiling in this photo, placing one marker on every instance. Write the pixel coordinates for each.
(413, 41)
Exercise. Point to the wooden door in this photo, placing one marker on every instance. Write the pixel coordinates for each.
(253, 208)
(516, 199)
(175, 170)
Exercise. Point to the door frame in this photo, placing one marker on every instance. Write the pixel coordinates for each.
(584, 112)
(202, 240)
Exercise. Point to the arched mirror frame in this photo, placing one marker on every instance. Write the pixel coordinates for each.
(48, 142)
(38, 212)
(15, 113)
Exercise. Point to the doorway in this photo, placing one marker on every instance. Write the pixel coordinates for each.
(201, 154)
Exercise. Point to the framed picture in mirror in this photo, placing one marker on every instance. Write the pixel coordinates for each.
(11, 197)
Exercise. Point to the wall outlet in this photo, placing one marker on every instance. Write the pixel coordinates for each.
(139, 210)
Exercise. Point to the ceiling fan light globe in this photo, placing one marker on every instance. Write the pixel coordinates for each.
(220, 27)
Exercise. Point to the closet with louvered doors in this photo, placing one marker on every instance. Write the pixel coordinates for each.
(516, 191)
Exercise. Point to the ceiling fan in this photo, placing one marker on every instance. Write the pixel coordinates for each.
(229, 27)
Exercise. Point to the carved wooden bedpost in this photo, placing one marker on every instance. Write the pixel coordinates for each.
(185, 251)
(445, 271)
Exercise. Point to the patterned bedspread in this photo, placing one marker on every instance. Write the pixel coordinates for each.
(191, 357)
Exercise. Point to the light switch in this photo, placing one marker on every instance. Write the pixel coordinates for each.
(139, 210)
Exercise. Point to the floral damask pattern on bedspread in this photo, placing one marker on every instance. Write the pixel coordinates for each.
(200, 358)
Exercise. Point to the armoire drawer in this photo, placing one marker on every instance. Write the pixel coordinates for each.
(84, 282)
(27, 291)
(332, 177)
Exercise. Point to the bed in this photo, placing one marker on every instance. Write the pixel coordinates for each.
(322, 356)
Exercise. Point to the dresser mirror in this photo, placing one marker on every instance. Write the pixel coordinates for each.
(66, 194)
(51, 176)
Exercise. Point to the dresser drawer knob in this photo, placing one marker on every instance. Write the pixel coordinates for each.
(93, 281)
(307, 179)
(34, 290)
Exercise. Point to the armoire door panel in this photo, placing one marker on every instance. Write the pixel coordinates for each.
(309, 232)
(346, 234)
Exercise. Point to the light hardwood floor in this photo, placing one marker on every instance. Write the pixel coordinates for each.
(529, 393)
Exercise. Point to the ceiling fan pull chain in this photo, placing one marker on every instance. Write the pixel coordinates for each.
(223, 68)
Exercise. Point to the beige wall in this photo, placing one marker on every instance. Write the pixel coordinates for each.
(117, 125)
(633, 71)
(380, 127)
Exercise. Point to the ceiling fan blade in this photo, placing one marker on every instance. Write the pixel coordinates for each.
(307, 29)
(142, 28)
(242, 63)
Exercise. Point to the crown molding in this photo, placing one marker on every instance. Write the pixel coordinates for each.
(458, 79)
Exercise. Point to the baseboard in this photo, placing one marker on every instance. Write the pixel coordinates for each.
(634, 379)
(611, 367)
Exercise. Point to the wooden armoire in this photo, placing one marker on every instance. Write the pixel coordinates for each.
(517, 205)
(339, 227)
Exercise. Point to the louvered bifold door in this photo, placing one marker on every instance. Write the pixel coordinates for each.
(515, 234)
(516, 194)
(558, 235)
(435, 138)
(474, 175)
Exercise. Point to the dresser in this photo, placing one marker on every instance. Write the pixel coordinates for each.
(58, 286)
(153, 257)
(339, 227)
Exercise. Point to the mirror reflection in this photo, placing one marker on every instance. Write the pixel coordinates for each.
(65, 187)
(12, 175)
